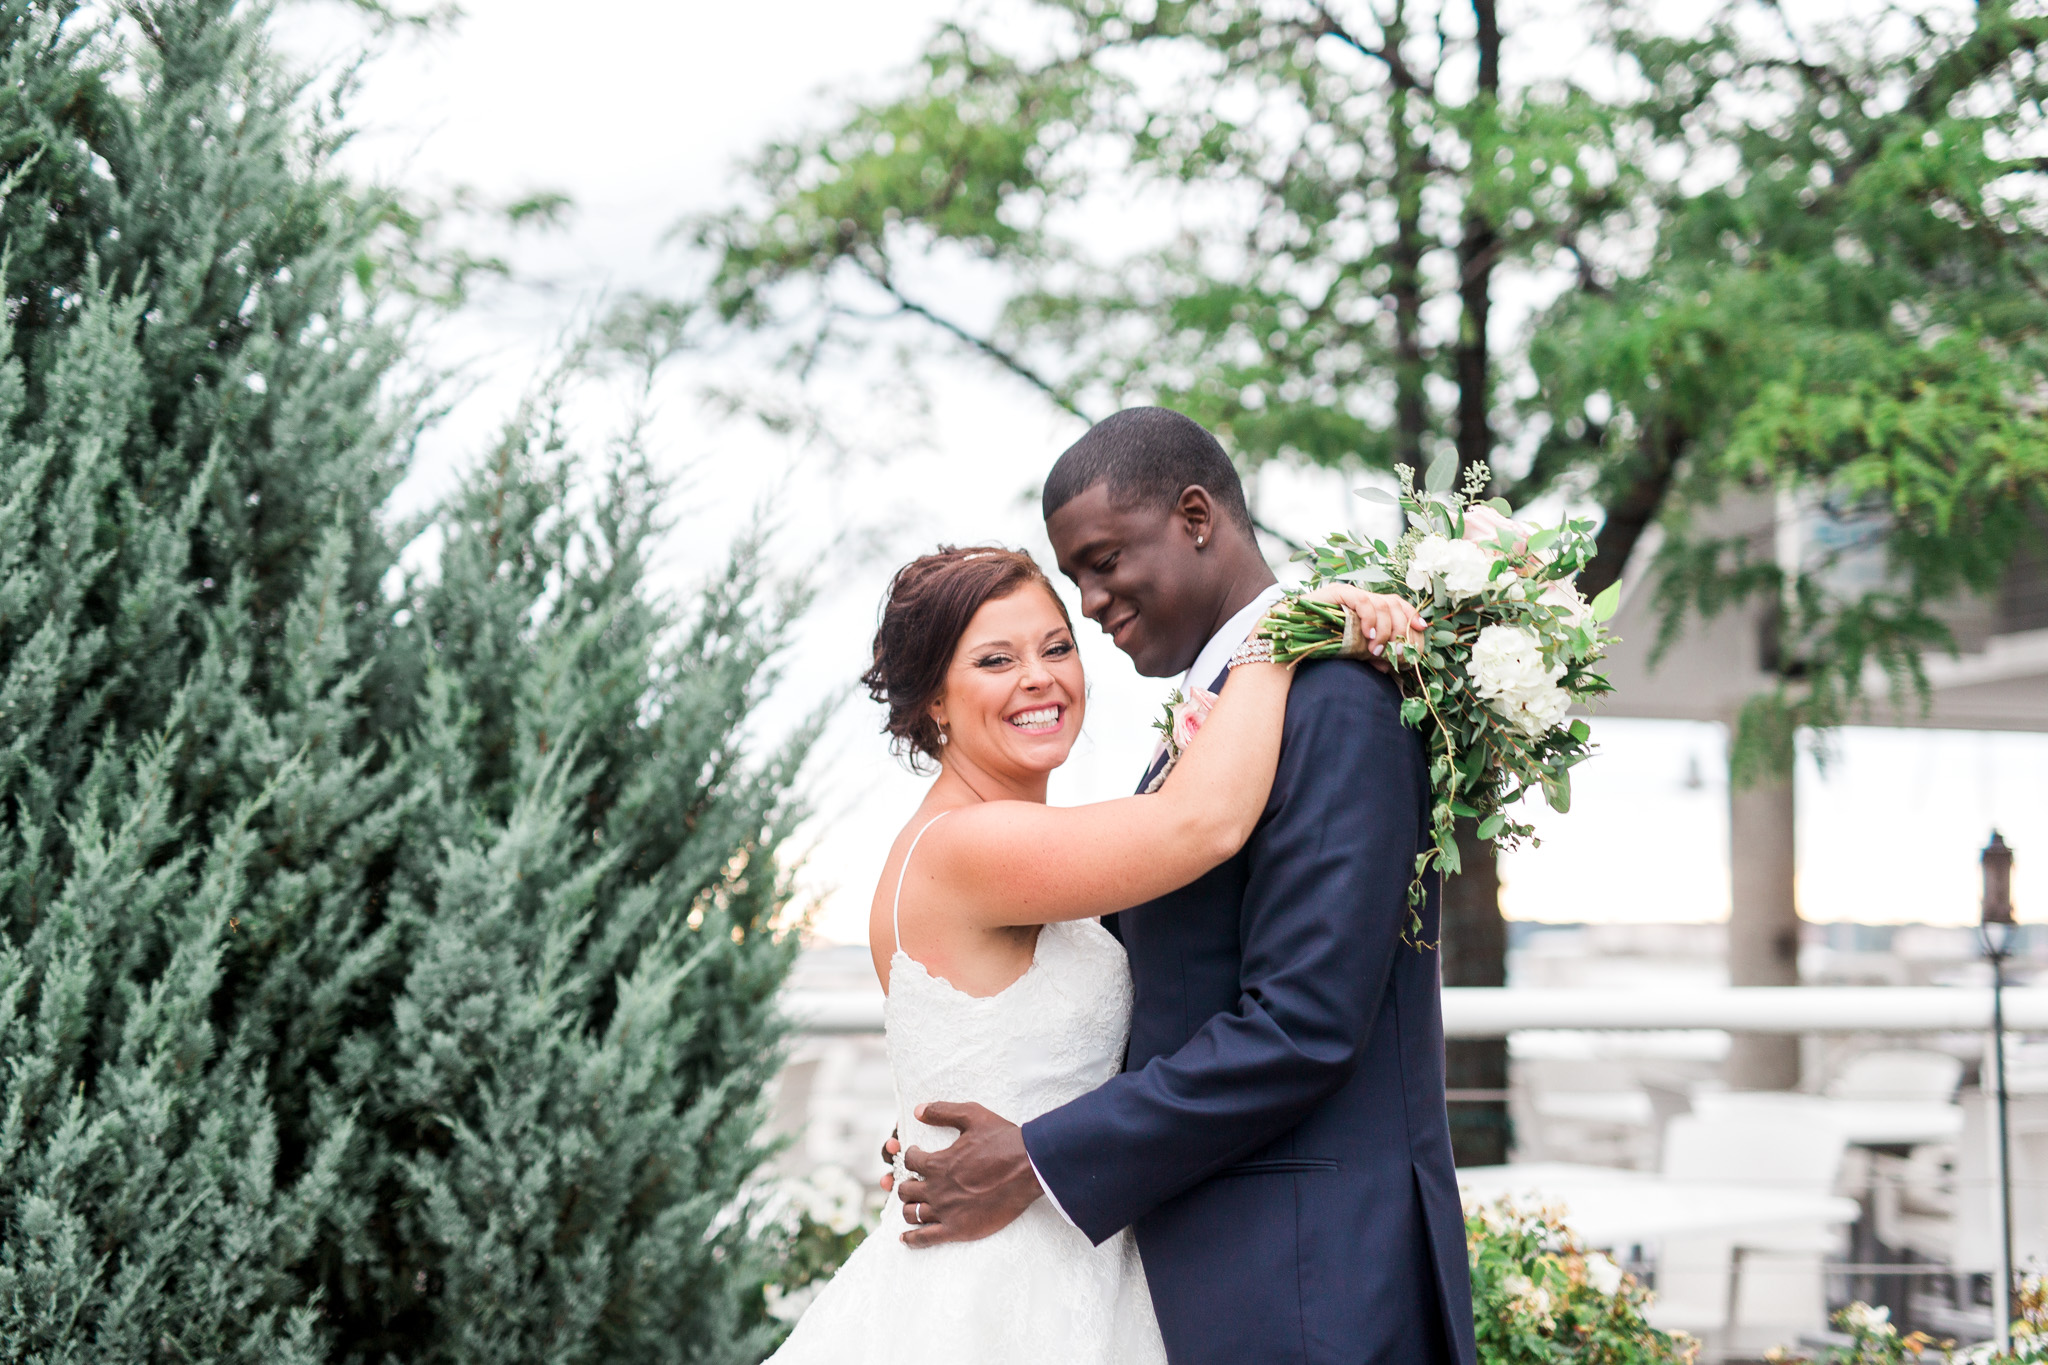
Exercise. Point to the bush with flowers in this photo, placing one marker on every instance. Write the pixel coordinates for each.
(1539, 1298)
(821, 1219)
(1875, 1341)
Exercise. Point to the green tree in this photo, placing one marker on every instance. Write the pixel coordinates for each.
(1850, 322)
(1776, 263)
(1352, 193)
(387, 958)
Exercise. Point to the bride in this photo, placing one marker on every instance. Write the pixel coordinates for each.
(1002, 988)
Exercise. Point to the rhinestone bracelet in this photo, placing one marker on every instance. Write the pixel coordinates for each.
(1256, 649)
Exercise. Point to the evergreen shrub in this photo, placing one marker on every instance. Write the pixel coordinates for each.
(387, 953)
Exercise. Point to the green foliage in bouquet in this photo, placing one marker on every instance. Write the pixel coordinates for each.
(1509, 646)
(1538, 1298)
(387, 966)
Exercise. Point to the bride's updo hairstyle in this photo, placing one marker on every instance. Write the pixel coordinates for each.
(930, 602)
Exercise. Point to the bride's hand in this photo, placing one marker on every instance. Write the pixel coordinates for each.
(889, 1151)
(1379, 617)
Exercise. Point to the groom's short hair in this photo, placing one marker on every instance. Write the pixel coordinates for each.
(1147, 455)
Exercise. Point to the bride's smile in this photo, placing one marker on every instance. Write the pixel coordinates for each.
(1044, 720)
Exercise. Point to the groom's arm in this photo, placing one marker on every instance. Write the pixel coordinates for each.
(1324, 912)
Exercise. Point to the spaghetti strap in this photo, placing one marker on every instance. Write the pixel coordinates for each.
(896, 907)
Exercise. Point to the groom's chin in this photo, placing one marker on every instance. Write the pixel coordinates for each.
(1155, 661)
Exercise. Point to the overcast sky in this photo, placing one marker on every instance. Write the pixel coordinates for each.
(642, 118)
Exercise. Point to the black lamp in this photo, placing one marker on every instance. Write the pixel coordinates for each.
(1996, 931)
(1997, 923)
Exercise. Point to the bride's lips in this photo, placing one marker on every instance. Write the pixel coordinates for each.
(1046, 719)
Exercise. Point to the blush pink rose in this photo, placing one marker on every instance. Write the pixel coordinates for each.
(1483, 526)
(1189, 715)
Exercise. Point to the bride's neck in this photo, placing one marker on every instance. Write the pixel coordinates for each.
(986, 784)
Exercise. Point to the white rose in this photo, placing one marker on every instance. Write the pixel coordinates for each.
(1541, 712)
(1507, 661)
(1464, 568)
(1603, 1274)
(1509, 673)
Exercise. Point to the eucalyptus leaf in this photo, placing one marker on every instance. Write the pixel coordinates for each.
(1608, 602)
(1443, 473)
(1379, 496)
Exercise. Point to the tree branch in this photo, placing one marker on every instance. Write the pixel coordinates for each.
(906, 304)
(1328, 25)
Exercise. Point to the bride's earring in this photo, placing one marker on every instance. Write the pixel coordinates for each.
(1200, 541)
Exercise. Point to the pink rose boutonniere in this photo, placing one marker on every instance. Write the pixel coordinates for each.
(1179, 726)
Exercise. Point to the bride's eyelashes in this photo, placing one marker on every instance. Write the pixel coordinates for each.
(1058, 649)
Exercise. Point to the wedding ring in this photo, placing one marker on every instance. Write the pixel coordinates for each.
(920, 1213)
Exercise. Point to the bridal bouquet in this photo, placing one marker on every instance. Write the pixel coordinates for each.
(1510, 645)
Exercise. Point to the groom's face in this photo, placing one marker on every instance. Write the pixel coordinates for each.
(1140, 575)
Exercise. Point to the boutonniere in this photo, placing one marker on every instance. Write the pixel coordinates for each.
(1178, 726)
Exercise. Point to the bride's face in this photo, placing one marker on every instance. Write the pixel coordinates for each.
(1014, 694)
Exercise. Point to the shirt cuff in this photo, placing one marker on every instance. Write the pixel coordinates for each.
(1050, 1197)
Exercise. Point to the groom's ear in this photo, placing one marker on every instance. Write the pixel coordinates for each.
(1198, 514)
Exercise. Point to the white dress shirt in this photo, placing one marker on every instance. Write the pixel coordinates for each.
(1207, 665)
(1224, 642)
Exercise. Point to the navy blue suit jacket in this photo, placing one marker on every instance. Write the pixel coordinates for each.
(1278, 1136)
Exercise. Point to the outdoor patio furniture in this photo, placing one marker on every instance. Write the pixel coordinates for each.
(1976, 1224)
(1615, 1209)
(1744, 1289)
(1898, 1074)
(1862, 1121)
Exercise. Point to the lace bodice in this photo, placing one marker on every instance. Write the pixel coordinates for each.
(1052, 1035)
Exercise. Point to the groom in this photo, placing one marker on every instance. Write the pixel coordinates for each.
(1278, 1137)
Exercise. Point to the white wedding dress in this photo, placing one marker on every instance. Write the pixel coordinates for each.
(1035, 1293)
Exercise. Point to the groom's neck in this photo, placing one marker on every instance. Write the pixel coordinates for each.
(1248, 577)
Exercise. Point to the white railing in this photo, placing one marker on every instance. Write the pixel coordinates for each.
(1494, 1012)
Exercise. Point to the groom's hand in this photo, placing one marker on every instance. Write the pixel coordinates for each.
(973, 1188)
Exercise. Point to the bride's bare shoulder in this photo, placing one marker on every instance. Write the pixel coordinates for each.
(889, 886)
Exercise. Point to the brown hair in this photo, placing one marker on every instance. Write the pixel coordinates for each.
(926, 611)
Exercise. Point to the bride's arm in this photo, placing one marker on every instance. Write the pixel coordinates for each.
(1019, 862)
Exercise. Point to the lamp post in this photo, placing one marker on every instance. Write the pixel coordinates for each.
(1995, 931)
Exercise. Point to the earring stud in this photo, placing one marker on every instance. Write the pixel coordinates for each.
(1200, 541)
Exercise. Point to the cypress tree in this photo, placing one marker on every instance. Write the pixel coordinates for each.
(386, 960)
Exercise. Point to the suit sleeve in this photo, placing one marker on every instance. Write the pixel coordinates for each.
(1324, 911)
